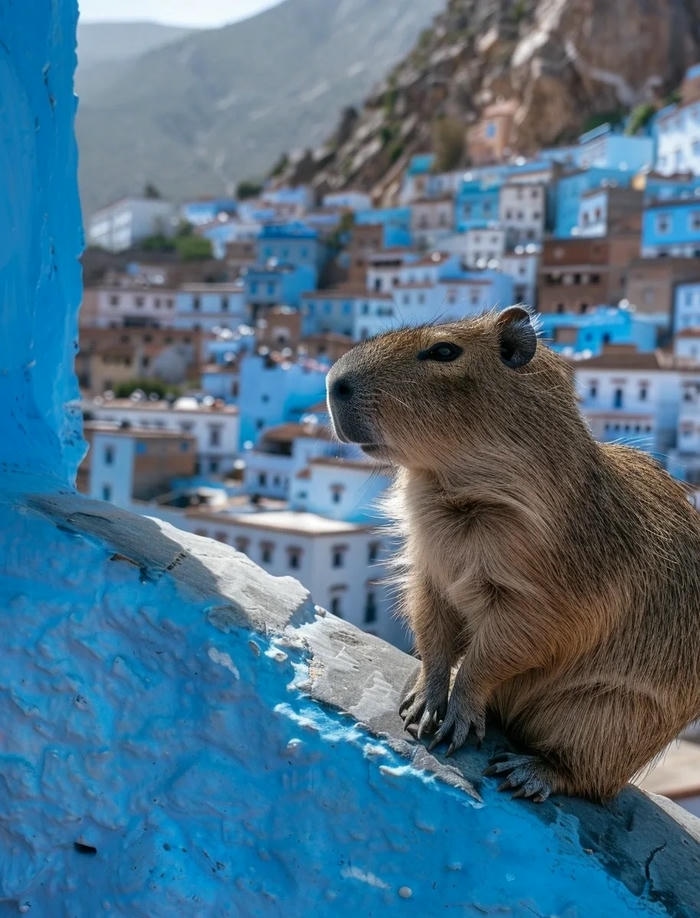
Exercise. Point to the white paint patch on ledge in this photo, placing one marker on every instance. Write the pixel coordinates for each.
(364, 876)
(224, 659)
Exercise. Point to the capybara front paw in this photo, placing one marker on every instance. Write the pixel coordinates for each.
(460, 719)
(526, 775)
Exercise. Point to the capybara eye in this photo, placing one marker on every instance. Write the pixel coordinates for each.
(444, 351)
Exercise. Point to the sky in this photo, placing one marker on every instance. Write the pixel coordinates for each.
(202, 13)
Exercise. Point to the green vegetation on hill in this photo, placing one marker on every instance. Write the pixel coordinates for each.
(207, 110)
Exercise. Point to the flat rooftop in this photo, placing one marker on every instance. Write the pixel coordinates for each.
(289, 521)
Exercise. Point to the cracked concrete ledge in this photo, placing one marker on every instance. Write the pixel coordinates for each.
(647, 856)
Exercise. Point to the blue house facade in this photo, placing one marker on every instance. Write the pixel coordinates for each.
(671, 228)
(395, 222)
(200, 212)
(276, 285)
(572, 333)
(272, 392)
(476, 205)
(570, 189)
(289, 244)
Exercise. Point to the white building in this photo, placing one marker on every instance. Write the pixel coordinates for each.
(387, 271)
(522, 211)
(340, 563)
(686, 307)
(431, 220)
(126, 222)
(282, 452)
(684, 461)
(686, 345)
(210, 306)
(125, 465)
(678, 137)
(214, 427)
(631, 396)
(482, 246)
(350, 200)
(134, 305)
(522, 265)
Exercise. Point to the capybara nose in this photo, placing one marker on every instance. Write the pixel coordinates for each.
(342, 389)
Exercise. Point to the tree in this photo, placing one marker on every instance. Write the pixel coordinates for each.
(193, 248)
(151, 192)
(248, 189)
(449, 136)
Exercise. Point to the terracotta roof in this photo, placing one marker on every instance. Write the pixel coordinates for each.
(624, 357)
(285, 433)
(346, 463)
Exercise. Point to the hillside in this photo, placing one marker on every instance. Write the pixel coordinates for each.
(557, 63)
(106, 50)
(216, 106)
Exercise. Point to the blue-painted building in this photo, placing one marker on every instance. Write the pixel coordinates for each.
(276, 285)
(207, 210)
(291, 243)
(672, 228)
(476, 204)
(604, 147)
(571, 188)
(273, 391)
(573, 333)
(658, 188)
(395, 222)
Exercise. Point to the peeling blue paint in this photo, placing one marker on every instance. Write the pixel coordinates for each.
(40, 239)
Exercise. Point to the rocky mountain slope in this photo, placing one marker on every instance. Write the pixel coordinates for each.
(557, 62)
(201, 113)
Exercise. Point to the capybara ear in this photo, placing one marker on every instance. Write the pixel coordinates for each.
(517, 337)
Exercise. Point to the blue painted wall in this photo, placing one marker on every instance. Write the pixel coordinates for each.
(40, 239)
(570, 189)
(597, 328)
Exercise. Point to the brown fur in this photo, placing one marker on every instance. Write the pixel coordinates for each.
(561, 575)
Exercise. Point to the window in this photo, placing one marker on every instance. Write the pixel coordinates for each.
(213, 466)
(618, 398)
(372, 552)
(337, 493)
(109, 455)
(663, 223)
(262, 479)
(221, 536)
(114, 300)
(240, 543)
(695, 220)
(106, 492)
(267, 552)
(338, 556)
(294, 558)
(215, 435)
(224, 303)
(336, 607)
(196, 303)
(592, 390)
(370, 608)
(643, 392)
